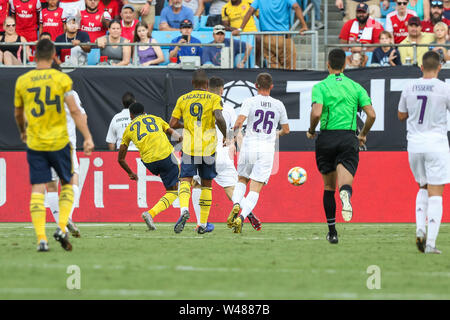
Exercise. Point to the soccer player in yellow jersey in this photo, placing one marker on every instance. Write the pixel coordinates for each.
(39, 100)
(148, 134)
(200, 111)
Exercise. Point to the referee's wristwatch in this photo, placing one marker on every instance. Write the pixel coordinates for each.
(311, 132)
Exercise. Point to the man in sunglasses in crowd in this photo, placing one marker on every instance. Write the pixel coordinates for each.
(436, 15)
(397, 20)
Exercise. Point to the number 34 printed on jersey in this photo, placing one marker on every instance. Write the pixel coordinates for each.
(48, 102)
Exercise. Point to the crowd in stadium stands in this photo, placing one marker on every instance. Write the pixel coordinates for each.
(391, 23)
(106, 22)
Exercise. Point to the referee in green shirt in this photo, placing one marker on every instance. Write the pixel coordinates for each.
(335, 102)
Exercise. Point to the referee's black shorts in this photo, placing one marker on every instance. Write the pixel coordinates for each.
(337, 146)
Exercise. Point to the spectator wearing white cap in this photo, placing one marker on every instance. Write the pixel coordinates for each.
(74, 36)
(213, 54)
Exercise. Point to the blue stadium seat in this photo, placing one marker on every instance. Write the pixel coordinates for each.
(202, 26)
(391, 8)
(93, 57)
(368, 54)
(156, 25)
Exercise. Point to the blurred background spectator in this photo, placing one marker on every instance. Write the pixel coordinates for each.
(52, 20)
(233, 14)
(11, 55)
(128, 22)
(72, 7)
(414, 35)
(4, 9)
(388, 55)
(197, 6)
(215, 12)
(94, 22)
(362, 29)
(440, 38)
(27, 17)
(173, 15)
(112, 6)
(446, 13)
(116, 55)
(186, 28)
(147, 55)
(436, 15)
(75, 36)
(397, 20)
(350, 8)
(357, 58)
(421, 7)
(317, 15)
(145, 9)
(213, 54)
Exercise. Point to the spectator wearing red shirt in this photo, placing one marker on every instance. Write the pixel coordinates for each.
(93, 21)
(128, 22)
(27, 17)
(397, 21)
(4, 8)
(112, 6)
(52, 20)
(363, 29)
(437, 10)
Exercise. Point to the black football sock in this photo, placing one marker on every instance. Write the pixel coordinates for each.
(329, 204)
(347, 188)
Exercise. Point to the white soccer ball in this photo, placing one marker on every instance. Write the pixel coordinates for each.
(297, 176)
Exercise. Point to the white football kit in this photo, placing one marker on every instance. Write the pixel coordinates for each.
(263, 113)
(71, 130)
(427, 101)
(117, 127)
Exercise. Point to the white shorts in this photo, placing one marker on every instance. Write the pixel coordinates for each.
(76, 166)
(430, 168)
(255, 165)
(226, 172)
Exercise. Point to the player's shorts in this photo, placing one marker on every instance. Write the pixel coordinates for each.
(335, 147)
(430, 168)
(255, 165)
(204, 166)
(41, 162)
(76, 166)
(167, 169)
(226, 172)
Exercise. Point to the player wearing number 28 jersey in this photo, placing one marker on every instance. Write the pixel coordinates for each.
(148, 133)
(263, 114)
(424, 103)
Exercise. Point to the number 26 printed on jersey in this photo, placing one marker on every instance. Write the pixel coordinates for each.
(266, 119)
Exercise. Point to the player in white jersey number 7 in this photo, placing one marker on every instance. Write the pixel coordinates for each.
(263, 114)
(424, 104)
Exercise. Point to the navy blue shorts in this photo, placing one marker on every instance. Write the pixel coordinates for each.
(204, 166)
(40, 163)
(166, 168)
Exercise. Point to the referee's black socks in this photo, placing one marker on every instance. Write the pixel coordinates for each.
(329, 204)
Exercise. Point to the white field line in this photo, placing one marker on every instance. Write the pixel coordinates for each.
(380, 295)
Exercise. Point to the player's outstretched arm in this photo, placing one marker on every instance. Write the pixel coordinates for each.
(175, 135)
(123, 163)
(316, 113)
(370, 113)
(20, 121)
(220, 121)
(81, 123)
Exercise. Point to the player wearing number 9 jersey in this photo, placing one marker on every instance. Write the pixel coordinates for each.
(200, 110)
(148, 133)
(263, 114)
(39, 100)
(424, 103)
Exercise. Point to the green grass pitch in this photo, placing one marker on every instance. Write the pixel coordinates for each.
(282, 261)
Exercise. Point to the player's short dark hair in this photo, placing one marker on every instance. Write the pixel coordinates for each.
(199, 78)
(45, 49)
(128, 99)
(136, 108)
(431, 61)
(215, 83)
(264, 80)
(336, 59)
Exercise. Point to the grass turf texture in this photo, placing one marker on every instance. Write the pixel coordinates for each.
(283, 261)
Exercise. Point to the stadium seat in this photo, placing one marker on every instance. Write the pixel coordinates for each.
(382, 21)
(202, 26)
(156, 24)
(391, 8)
(93, 57)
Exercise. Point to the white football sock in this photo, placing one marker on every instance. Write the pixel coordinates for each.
(434, 219)
(53, 203)
(76, 194)
(195, 202)
(238, 193)
(421, 209)
(249, 204)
